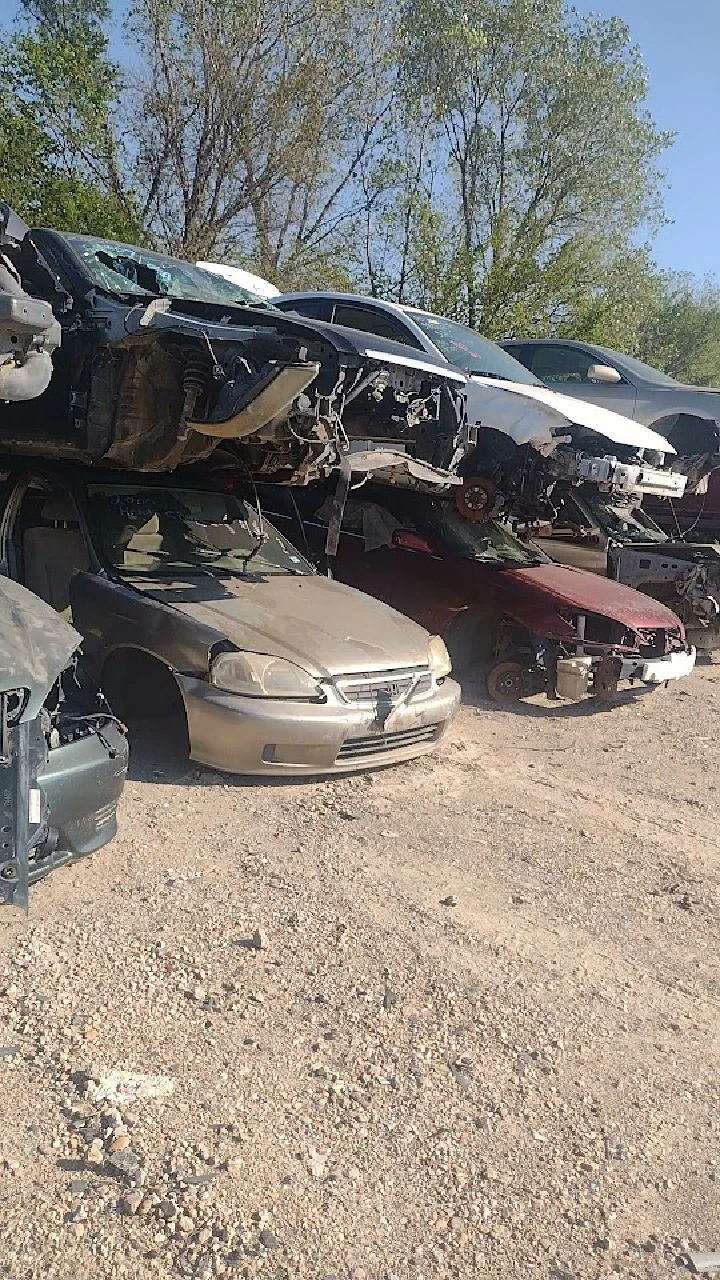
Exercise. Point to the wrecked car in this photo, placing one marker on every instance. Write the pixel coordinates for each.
(63, 755)
(619, 539)
(539, 626)
(161, 360)
(527, 435)
(194, 609)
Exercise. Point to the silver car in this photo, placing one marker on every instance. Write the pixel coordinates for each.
(191, 604)
(688, 416)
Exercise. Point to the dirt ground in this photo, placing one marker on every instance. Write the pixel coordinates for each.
(477, 1034)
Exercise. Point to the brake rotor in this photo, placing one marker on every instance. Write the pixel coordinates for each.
(478, 500)
(508, 682)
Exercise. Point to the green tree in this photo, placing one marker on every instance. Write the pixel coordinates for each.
(255, 118)
(60, 161)
(682, 334)
(543, 159)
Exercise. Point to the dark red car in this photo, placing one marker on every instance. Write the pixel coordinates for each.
(540, 625)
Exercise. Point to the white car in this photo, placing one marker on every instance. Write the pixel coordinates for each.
(250, 284)
(505, 400)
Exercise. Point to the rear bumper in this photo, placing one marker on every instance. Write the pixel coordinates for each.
(673, 666)
(284, 738)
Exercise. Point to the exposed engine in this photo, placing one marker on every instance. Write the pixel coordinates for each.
(148, 378)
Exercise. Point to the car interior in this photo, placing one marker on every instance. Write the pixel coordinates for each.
(49, 546)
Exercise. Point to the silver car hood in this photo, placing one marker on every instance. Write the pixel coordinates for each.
(536, 415)
(323, 626)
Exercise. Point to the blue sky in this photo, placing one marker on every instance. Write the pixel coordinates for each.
(680, 43)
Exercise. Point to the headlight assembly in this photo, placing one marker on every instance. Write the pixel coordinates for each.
(439, 658)
(259, 675)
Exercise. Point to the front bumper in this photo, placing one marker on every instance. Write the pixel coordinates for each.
(82, 784)
(275, 738)
(673, 666)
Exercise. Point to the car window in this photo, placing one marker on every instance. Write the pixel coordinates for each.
(561, 364)
(519, 351)
(486, 541)
(640, 369)
(468, 350)
(126, 269)
(314, 308)
(379, 322)
(163, 530)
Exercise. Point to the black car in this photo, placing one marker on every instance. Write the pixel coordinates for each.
(161, 362)
(63, 755)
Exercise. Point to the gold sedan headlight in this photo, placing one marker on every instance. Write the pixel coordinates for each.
(439, 658)
(259, 675)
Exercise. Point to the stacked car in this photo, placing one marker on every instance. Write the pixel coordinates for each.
(275, 521)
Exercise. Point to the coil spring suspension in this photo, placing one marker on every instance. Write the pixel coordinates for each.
(196, 377)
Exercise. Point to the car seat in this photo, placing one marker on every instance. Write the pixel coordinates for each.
(54, 552)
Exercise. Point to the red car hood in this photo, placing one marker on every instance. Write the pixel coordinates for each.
(588, 593)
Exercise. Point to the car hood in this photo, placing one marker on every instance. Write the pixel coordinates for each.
(322, 625)
(536, 416)
(585, 592)
(37, 645)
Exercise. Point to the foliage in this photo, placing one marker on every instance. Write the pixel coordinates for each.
(58, 158)
(256, 117)
(541, 148)
(491, 160)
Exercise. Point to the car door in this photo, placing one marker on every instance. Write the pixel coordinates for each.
(370, 319)
(564, 367)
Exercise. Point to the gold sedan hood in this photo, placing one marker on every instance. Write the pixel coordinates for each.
(323, 626)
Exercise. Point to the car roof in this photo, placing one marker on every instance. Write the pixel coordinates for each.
(337, 296)
(553, 342)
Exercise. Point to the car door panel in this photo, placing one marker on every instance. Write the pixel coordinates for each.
(564, 368)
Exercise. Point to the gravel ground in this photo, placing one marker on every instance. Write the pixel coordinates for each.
(453, 1019)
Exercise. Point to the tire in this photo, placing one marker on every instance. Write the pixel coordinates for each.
(471, 638)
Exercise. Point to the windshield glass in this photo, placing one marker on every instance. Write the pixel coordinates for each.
(469, 351)
(158, 531)
(123, 268)
(640, 369)
(488, 541)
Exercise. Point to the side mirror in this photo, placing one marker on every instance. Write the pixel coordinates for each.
(603, 373)
(408, 541)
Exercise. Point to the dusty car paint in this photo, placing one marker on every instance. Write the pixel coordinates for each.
(521, 605)
(182, 620)
(622, 542)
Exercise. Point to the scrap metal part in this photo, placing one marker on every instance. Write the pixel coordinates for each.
(702, 1263)
(29, 332)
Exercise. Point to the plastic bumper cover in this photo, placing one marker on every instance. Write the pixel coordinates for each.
(673, 666)
(274, 737)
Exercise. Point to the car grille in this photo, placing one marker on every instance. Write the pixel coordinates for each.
(370, 689)
(381, 743)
